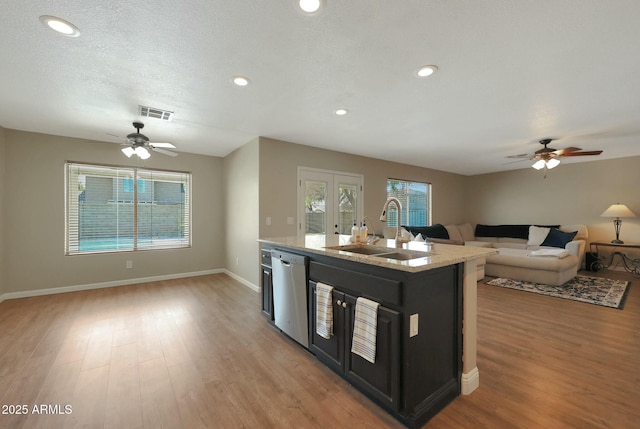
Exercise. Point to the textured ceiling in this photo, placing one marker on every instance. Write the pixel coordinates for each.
(511, 73)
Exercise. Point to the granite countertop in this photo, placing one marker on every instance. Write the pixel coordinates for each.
(440, 254)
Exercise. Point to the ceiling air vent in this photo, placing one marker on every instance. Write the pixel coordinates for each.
(152, 112)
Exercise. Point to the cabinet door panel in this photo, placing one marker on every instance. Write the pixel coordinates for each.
(382, 378)
(329, 351)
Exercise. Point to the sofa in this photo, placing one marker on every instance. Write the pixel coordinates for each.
(549, 254)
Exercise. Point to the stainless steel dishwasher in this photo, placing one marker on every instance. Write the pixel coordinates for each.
(289, 273)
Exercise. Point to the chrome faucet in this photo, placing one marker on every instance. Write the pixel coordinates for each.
(383, 216)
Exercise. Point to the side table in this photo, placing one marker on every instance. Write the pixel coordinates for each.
(601, 262)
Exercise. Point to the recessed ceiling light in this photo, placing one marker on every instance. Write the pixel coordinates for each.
(240, 80)
(425, 71)
(341, 112)
(60, 25)
(309, 6)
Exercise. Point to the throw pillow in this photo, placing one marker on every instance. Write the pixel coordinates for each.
(466, 230)
(454, 233)
(433, 231)
(537, 235)
(557, 238)
(407, 235)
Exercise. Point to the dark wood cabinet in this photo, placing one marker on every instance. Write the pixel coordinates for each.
(266, 285)
(328, 351)
(380, 380)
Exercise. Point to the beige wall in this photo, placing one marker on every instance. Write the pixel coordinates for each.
(278, 192)
(34, 216)
(234, 195)
(571, 193)
(241, 197)
(2, 225)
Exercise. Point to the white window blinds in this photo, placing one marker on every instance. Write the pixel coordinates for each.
(415, 198)
(112, 209)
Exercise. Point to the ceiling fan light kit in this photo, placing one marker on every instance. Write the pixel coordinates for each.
(140, 145)
(550, 163)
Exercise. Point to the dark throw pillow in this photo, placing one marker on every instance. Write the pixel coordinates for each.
(557, 238)
(433, 231)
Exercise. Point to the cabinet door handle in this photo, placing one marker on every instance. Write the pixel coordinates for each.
(344, 305)
(339, 302)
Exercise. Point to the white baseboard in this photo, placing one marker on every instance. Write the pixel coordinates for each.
(63, 289)
(470, 381)
(245, 282)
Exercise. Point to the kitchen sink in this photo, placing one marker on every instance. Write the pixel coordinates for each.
(361, 249)
(403, 255)
(382, 252)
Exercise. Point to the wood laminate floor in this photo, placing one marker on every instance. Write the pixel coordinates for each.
(197, 352)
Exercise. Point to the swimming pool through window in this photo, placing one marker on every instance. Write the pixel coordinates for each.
(116, 209)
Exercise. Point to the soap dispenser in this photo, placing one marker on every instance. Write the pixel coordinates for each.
(364, 232)
(355, 233)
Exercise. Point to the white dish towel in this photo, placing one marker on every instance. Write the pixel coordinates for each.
(324, 310)
(365, 327)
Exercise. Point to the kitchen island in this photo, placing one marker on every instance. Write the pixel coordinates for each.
(426, 295)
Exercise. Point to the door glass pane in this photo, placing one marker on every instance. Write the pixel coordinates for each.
(315, 204)
(348, 195)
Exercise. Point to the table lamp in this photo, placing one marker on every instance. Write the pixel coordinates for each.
(617, 210)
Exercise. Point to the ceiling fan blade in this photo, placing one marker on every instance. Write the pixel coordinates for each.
(514, 161)
(162, 145)
(164, 152)
(522, 155)
(561, 152)
(587, 152)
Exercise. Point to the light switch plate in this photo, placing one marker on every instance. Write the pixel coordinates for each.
(413, 325)
(289, 220)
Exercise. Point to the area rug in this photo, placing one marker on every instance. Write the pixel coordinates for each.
(593, 290)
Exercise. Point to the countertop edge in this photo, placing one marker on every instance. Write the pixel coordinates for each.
(443, 254)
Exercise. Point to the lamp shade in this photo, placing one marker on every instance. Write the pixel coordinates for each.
(618, 210)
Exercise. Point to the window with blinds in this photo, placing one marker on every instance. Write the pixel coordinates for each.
(116, 209)
(415, 198)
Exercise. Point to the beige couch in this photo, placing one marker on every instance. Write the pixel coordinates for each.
(514, 260)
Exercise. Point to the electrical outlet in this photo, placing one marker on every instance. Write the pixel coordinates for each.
(267, 221)
(129, 264)
(413, 325)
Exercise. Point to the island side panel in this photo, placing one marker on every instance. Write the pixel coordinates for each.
(470, 373)
(433, 354)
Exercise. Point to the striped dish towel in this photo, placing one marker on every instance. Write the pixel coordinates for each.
(324, 310)
(365, 327)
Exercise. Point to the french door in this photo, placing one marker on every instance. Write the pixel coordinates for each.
(328, 202)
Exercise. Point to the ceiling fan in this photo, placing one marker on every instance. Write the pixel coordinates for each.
(548, 157)
(139, 144)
